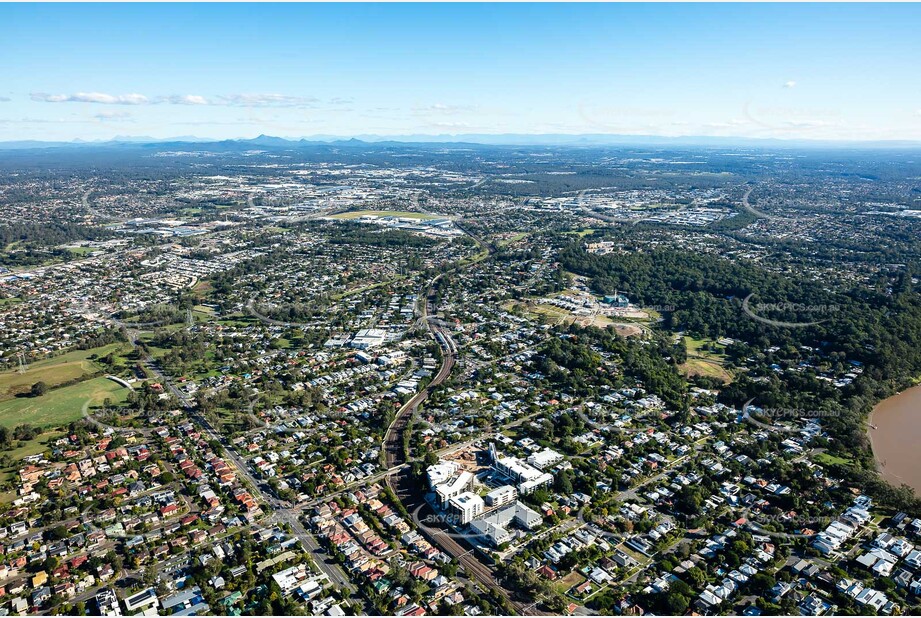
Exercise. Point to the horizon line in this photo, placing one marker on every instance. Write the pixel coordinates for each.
(471, 138)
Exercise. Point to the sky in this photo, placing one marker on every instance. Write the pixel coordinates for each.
(789, 71)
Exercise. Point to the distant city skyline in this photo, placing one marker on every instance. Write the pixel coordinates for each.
(782, 71)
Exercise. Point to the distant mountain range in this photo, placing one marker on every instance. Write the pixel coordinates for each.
(502, 139)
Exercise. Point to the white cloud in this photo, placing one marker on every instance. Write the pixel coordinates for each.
(185, 99)
(790, 84)
(229, 100)
(243, 100)
(264, 100)
(5, 99)
(92, 97)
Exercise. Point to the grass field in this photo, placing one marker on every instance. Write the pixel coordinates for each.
(825, 458)
(54, 371)
(34, 447)
(701, 362)
(701, 367)
(202, 313)
(366, 288)
(571, 579)
(60, 406)
(40, 444)
(155, 352)
(581, 233)
(551, 314)
(383, 213)
(82, 250)
(512, 239)
(695, 348)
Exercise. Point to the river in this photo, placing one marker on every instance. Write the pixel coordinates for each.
(896, 438)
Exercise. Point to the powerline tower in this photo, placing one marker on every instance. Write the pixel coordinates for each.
(21, 357)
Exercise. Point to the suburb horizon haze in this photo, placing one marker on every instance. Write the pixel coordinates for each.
(215, 71)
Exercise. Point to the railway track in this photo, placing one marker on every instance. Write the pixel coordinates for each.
(393, 438)
(410, 493)
(408, 489)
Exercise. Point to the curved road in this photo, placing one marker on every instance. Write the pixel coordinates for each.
(751, 209)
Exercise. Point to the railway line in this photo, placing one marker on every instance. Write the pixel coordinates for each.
(409, 492)
(408, 489)
(393, 438)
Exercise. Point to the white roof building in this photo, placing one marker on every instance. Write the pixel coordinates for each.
(466, 507)
(545, 458)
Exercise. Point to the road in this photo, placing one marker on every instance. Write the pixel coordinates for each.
(633, 492)
(751, 209)
(282, 513)
(398, 473)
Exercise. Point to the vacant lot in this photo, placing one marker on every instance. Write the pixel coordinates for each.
(59, 406)
(551, 314)
(54, 371)
(202, 289)
(570, 580)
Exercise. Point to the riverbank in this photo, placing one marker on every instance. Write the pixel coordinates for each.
(895, 436)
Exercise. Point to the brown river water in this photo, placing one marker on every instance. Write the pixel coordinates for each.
(895, 433)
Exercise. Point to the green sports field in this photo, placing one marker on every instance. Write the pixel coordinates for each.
(59, 406)
(54, 371)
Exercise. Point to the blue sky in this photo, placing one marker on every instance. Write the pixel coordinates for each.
(820, 71)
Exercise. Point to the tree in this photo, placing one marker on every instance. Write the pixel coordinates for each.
(51, 563)
(689, 500)
(762, 582)
(676, 604)
(697, 576)
(38, 389)
(25, 432)
(150, 574)
(563, 482)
